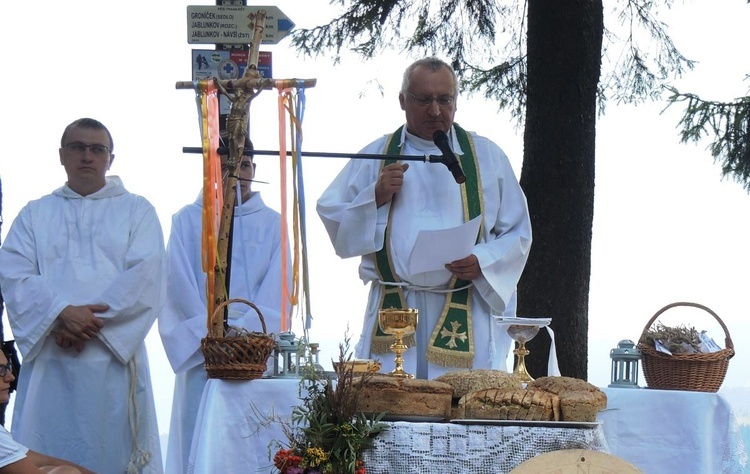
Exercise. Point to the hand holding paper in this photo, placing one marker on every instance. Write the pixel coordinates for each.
(433, 249)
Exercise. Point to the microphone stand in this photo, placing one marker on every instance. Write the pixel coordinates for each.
(326, 154)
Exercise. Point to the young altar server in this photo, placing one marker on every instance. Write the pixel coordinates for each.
(255, 277)
(375, 210)
(82, 275)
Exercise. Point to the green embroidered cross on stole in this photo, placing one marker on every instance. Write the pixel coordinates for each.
(452, 341)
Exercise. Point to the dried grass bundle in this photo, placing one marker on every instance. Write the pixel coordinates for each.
(679, 340)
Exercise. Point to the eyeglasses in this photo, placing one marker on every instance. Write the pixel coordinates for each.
(5, 369)
(425, 100)
(80, 149)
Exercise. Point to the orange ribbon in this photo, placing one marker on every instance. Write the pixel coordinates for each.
(213, 194)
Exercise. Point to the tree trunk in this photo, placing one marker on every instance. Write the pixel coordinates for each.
(564, 60)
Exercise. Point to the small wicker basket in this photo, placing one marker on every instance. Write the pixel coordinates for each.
(238, 358)
(701, 372)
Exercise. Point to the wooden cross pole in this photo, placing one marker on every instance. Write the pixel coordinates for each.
(240, 93)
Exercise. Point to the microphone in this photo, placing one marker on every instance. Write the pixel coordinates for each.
(449, 159)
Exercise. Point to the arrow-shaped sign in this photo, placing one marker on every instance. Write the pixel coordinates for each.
(221, 24)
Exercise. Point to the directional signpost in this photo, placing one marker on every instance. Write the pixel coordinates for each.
(231, 29)
(222, 24)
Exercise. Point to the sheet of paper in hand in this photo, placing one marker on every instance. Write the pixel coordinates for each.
(435, 248)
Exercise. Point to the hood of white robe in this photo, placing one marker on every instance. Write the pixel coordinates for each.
(112, 187)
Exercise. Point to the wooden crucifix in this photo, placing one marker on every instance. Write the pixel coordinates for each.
(240, 92)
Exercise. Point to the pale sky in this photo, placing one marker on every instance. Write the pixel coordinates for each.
(666, 227)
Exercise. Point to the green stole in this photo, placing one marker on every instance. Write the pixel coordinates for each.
(452, 340)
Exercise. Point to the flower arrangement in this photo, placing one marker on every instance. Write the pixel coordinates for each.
(327, 433)
(314, 461)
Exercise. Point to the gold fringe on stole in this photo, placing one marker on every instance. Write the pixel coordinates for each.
(456, 335)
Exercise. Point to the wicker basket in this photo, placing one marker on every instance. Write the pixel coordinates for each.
(238, 358)
(702, 372)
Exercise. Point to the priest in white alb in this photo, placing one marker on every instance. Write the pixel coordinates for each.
(375, 210)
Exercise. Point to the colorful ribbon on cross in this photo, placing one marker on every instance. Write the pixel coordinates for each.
(291, 102)
(213, 194)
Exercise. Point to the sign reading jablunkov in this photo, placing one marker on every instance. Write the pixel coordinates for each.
(222, 24)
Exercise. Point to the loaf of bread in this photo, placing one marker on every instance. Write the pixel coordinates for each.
(579, 406)
(579, 400)
(398, 396)
(513, 404)
(465, 381)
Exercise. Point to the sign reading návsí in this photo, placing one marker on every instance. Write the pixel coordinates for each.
(222, 24)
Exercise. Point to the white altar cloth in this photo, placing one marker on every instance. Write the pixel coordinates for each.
(669, 431)
(448, 448)
(233, 432)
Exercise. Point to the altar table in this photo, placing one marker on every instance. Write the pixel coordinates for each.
(670, 431)
(234, 434)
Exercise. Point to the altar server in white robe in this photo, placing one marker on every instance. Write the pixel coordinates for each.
(81, 271)
(255, 276)
(375, 210)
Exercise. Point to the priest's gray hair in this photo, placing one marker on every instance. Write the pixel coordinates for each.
(433, 64)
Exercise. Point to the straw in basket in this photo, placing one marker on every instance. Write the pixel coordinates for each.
(238, 358)
(700, 372)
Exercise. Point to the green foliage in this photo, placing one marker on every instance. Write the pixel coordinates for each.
(637, 74)
(328, 431)
(362, 25)
(500, 83)
(729, 125)
(485, 42)
(468, 33)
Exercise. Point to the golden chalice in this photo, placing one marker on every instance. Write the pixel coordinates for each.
(398, 323)
(522, 333)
